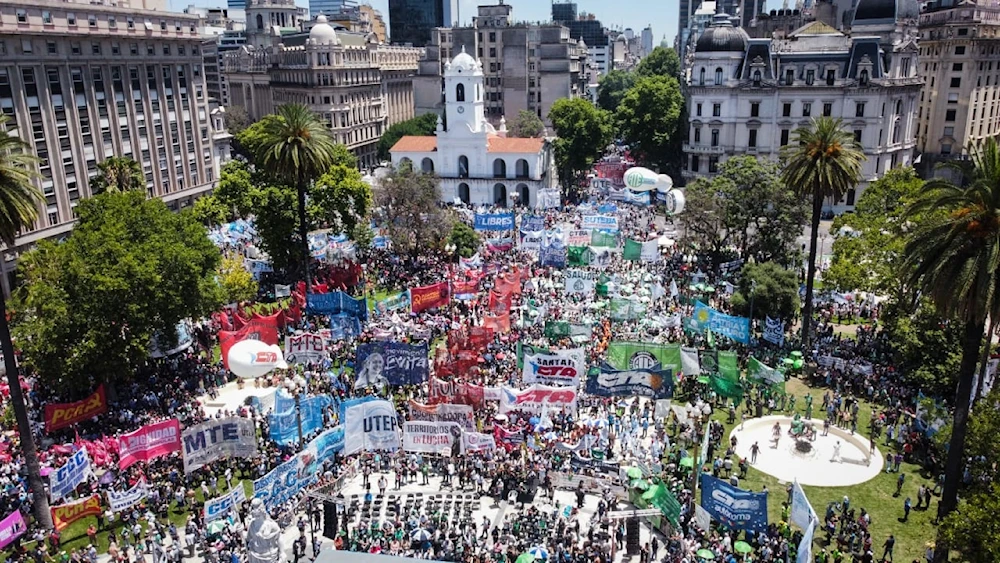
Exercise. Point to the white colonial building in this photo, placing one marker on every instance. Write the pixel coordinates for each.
(747, 96)
(476, 162)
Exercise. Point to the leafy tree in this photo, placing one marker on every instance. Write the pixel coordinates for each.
(90, 305)
(747, 206)
(822, 161)
(648, 118)
(421, 125)
(953, 257)
(237, 119)
(611, 88)
(926, 349)
(772, 290)
(663, 61)
(210, 211)
(527, 124)
(247, 142)
(584, 132)
(406, 207)
(19, 199)
(118, 174)
(465, 239)
(237, 282)
(973, 529)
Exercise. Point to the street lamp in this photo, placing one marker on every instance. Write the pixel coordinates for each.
(296, 385)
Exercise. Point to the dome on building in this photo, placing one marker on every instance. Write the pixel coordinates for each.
(463, 63)
(322, 33)
(722, 36)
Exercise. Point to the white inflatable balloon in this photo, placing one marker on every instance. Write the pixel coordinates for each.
(641, 179)
(675, 202)
(253, 358)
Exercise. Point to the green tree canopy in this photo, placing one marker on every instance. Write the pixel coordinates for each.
(406, 207)
(648, 120)
(237, 282)
(465, 239)
(974, 529)
(237, 119)
(118, 174)
(248, 141)
(527, 124)
(771, 289)
(422, 125)
(926, 349)
(584, 132)
(663, 61)
(90, 305)
(611, 88)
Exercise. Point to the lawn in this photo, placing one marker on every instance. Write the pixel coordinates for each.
(875, 496)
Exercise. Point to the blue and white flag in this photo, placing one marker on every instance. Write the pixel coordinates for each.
(774, 331)
(532, 223)
(335, 303)
(344, 326)
(736, 328)
(494, 222)
(67, 478)
(736, 508)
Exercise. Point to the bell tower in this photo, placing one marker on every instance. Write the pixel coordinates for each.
(463, 95)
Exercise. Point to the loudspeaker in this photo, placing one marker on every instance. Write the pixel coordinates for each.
(632, 536)
(329, 520)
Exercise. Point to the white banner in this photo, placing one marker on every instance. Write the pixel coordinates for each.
(370, 427)
(443, 412)
(430, 437)
(591, 485)
(534, 398)
(689, 361)
(473, 442)
(599, 222)
(531, 241)
(304, 348)
(548, 198)
(218, 507)
(67, 478)
(650, 251)
(579, 282)
(129, 498)
(662, 409)
(774, 331)
(216, 439)
(560, 367)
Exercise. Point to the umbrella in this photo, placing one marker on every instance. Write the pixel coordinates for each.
(420, 534)
(216, 527)
(634, 472)
(742, 547)
(704, 379)
(524, 558)
(538, 552)
(534, 420)
(640, 484)
(705, 554)
(687, 462)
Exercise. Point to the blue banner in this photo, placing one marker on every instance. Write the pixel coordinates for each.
(344, 326)
(284, 481)
(734, 507)
(380, 242)
(390, 363)
(737, 328)
(532, 223)
(652, 383)
(494, 222)
(553, 251)
(607, 208)
(283, 427)
(344, 405)
(637, 198)
(336, 303)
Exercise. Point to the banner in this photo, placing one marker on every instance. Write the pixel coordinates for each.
(804, 552)
(734, 507)
(638, 355)
(61, 415)
(559, 367)
(283, 423)
(548, 198)
(285, 481)
(65, 514)
(463, 291)
(757, 370)
(650, 252)
(430, 437)
(802, 513)
(729, 365)
(398, 302)
(149, 442)
(67, 478)
(475, 442)
(579, 282)
(579, 237)
(335, 303)
(535, 398)
(216, 439)
(627, 309)
(600, 222)
(390, 363)
(530, 241)
(689, 361)
(774, 331)
(736, 328)
(126, 500)
(494, 222)
(305, 348)
(429, 296)
(264, 329)
(603, 240)
(497, 323)
(553, 253)
(443, 412)
(343, 326)
(655, 384)
(219, 506)
(11, 528)
(370, 427)
(532, 223)
(555, 330)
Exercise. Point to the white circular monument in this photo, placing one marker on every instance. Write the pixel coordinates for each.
(814, 460)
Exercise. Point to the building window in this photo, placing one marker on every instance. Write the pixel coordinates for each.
(956, 81)
(956, 67)
(701, 77)
(112, 22)
(493, 37)
(827, 109)
(831, 76)
(46, 16)
(163, 25)
(949, 131)
(946, 148)
(697, 109)
(953, 98)
(130, 22)
(859, 109)
(949, 115)
(695, 164)
(51, 47)
(851, 194)
(754, 109)
(133, 49)
(463, 166)
(697, 134)
(756, 78)
(718, 76)
(716, 110)
(713, 164)
(70, 18)
(807, 109)
(784, 137)
(460, 93)
(752, 141)
(715, 137)
(810, 77)
(493, 52)
(786, 109)
(95, 48)
(789, 77)
(960, 50)
(857, 136)
(963, 31)
(92, 20)
(74, 48)
(22, 16)
(499, 168)
(864, 77)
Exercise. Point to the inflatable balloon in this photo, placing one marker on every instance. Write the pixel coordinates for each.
(253, 358)
(643, 180)
(675, 202)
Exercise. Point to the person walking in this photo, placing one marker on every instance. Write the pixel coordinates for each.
(907, 505)
(899, 483)
(836, 453)
(890, 542)
(754, 450)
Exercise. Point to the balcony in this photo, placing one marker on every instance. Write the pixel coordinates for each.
(704, 149)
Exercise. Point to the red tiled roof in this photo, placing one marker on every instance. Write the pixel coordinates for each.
(514, 145)
(413, 143)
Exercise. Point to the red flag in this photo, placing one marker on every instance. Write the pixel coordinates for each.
(498, 323)
(429, 297)
(264, 329)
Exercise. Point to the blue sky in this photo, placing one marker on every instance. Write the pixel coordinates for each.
(637, 14)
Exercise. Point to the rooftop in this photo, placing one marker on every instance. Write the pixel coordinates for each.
(494, 144)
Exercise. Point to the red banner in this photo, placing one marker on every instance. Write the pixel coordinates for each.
(65, 514)
(508, 283)
(465, 289)
(440, 391)
(500, 302)
(469, 394)
(497, 323)
(61, 415)
(149, 442)
(264, 329)
(429, 297)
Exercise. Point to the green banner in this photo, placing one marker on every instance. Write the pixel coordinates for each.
(626, 309)
(758, 370)
(578, 256)
(602, 239)
(726, 388)
(728, 366)
(555, 330)
(530, 350)
(632, 251)
(638, 355)
(667, 503)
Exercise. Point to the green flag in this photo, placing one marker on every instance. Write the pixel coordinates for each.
(600, 238)
(728, 366)
(633, 355)
(726, 388)
(529, 350)
(667, 503)
(578, 256)
(758, 370)
(633, 250)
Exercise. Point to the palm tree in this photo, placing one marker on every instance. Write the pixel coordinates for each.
(297, 147)
(117, 174)
(823, 161)
(19, 200)
(953, 256)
